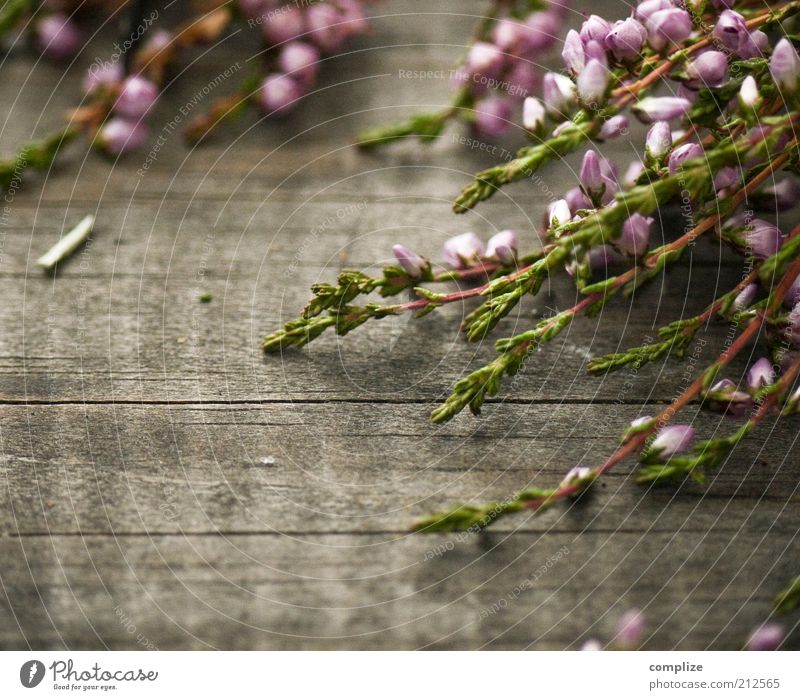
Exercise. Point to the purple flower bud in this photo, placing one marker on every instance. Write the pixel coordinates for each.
(792, 297)
(652, 109)
(522, 79)
(760, 374)
(595, 29)
(278, 94)
(752, 44)
(625, 40)
(726, 177)
(630, 628)
(119, 136)
(592, 83)
(58, 37)
(594, 50)
(485, 59)
(300, 61)
(576, 199)
(103, 75)
(763, 239)
(708, 69)
(533, 35)
(136, 98)
(283, 26)
(640, 421)
(412, 263)
(558, 213)
(590, 176)
(658, 140)
(602, 257)
(635, 236)
(558, 92)
(689, 151)
(533, 114)
(784, 65)
(544, 27)
(645, 10)
(784, 195)
(502, 247)
(633, 172)
(748, 94)
(609, 169)
(730, 29)
(572, 53)
(724, 396)
(613, 127)
(745, 297)
(668, 26)
(768, 637)
(463, 250)
(492, 117)
(576, 474)
(672, 440)
(611, 189)
(326, 27)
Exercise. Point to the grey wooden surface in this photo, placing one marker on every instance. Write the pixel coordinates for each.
(167, 486)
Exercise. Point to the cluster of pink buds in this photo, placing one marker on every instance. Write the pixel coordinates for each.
(301, 34)
(58, 37)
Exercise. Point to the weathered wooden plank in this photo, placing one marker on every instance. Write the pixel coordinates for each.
(379, 592)
(354, 467)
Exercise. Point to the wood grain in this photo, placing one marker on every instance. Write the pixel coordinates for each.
(168, 486)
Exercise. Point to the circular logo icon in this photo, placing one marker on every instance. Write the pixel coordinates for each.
(31, 673)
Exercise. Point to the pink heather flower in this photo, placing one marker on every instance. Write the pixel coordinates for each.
(768, 637)
(652, 109)
(575, 474)
(783, 195)
(784, 65)
(763, 239)
(119, 136)
(558, 92)
(645, 10)
(158, 40)
(576, 199)
(602, 257)
(136, 98)
(523, 78)
(590, 176)
(595, 29)
(299, 60)
(727, 176)
(658, 140)
(492, 117)
(689, 151)
(640, 422)
(745, 298)
(485, 59)
(533, 114)
(792, 297)
(283, 26)
(463, 250)
(708, 69)
(558, 213)
(616, 126)
(668, 26)
(543, 30)
(730, 29)
(753, 44)
(672, 440)
(592, 83)
(412, 263)
(633, 172)
(326, 27)
(749, 95)
(724, 396)
(572, 53)
(103, 75)
(278, 93)
(625, 40)
(58, 37)
(502, 247)
(594, 50)
(760, 374)
(635, 236)
(630, 628)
